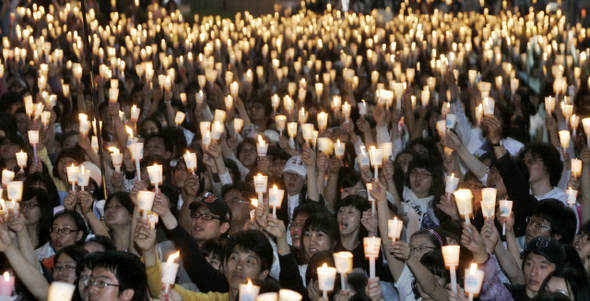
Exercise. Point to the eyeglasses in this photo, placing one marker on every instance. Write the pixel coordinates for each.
(67, 267)
(98, 284)
(248, 150)
(28, 205)
(64, 231)
(536, 224)
(421, 175)
(421, 248)
(205, 216)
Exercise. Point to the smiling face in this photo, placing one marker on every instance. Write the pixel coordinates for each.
(582, 245)
(536, 268)
(242, 265)
(296, 228)
(349, 220)
(315, 241)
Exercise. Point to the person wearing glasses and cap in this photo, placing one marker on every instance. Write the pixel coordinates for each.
(210, 218)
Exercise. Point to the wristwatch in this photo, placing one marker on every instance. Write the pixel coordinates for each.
(498, 144)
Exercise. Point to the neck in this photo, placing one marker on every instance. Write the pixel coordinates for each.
(422, 195)
(350, 241)
(541, 187)
(233, 293)
(237, 226)
(293, 193)
(121, 237)
(32, 231)
(530, 293)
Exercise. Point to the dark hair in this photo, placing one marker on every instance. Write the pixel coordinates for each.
(324, 223)
(316, 261)
(157, 159)
(155, 120)
(550, 156)
(8, 99)
(106, 242)
(233, 168)
(171, 193)
(434, 262)
(212, 247)
(585, 228)
(78, 220)
(168, 144)
(309, 209)
(438, 182)
(561, 218)
(433, 152)
(129, 271)
(347, 177)
(46, 180)
(432, 237)
(550, 296)
(46, 209)
(73, 153)
(360, 203)
(75, 252)
(251, 240)
(577, 282)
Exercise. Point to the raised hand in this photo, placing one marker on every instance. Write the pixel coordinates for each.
(373, 289)
(275, 227)
(370, 222)
(16, 222)
(86, 201)
(401, 250)
(192, 185)
(448, 206)
(70, 201)
(143, 236)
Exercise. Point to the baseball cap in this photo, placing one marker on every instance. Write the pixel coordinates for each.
(214, 205)
(548, 247)
(296, 165)
(95, 173)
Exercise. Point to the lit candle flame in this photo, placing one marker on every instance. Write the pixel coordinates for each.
(473, 268)
(249, 286)
(172, 257)
(254, 202)
(6, 276)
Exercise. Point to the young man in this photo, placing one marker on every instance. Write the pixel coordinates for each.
(117, 276)
(247, 255)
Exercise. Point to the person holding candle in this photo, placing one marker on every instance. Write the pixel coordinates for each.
(118, 210)
(356, 222)
(65, 158)
(68, 228)
(117, 276)
(9, 146)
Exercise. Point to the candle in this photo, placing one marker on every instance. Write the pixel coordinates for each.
(302, 118)
(219, 116)
(289, 295)
(238, 124)
(322, 121)
(84, 124)
(275, 199)
(576, 167)
(572, 197)
(6, 285)
(179, 118)
(229, 102)
(260, 184)
(7, 176)
(72, 173)
(451, 121)
(136, 150)
(362, 107)
(281, 122)
(169, 270)
(473, 281)
(261, 147)
(346, 110)
(451, 258)
(45, 118)
(376, 156)
(307, 132)
(325, 145)
(395, 227)
(441, 127)
(29, 107)
(83, 177)
(145, 201)
(59, 291)
(217, 130)
(464, 198)
(586, 125)
(14, 191)
(371, 247)
(155, 173)
(340, 147)
(326, 279)
(248, 292)
(34, 139)
(451, 184)
(113, 95)
(343, 264)
(116, 158)
(564, 139)
(134, 113)
(488, 202)
(190, 159)
(21, 159)
(549, 104)
(363, 157)
(319, 89)
(488, 106)
(505, 210)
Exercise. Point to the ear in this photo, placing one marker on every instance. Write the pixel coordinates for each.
(224, 227)
(127, 295)
(263, 275)
(557, 236)
(79, 235)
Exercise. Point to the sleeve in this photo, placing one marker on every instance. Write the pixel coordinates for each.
(154, 275)
(492, 287)
(289, 275)
(382, 135)
(463, 128)
(517, 186)
(206, 277)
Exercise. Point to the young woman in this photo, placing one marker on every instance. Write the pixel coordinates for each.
(118, 211)
(355, 222)
(65, 262)
(68, 228)
(37, 212)
(569, 282)
(424, 186)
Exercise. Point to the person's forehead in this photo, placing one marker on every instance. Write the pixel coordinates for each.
(240, 251)
(532, 256)
(300, 217)
(64, 219)
(102, 273)
(155, 141)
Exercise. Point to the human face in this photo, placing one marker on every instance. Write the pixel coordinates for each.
(315, 241)
(582, 244)
(537, 227)
(109, 292)
(31, 211)
(296, 228)
(70, 141)
(294, 182)
(536, 268)
(255, 111)
(116, 215)
(21, 122)
(59, 239)
(349, 220)
(65, 269)
(214, 262)
(8, 149)
(202, 230)
(277, 166)
(347, 191)
(180, 174)
(62, 164)
(404, 160)
(150, 128)
(420, 245)
(420, 182)
(247, 155)
(240, 208)
(84, 275)
(536, 168)
(558, 285)
(242, 265)
(155, 146)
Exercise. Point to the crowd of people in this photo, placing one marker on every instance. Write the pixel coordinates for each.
(365, 117)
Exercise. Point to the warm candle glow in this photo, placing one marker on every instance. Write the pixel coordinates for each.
(173, 257)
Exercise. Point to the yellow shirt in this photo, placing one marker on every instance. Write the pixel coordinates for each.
(154, 274)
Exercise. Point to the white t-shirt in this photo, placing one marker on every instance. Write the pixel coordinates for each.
(556, 193)
(423, 207)
(404, 285)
